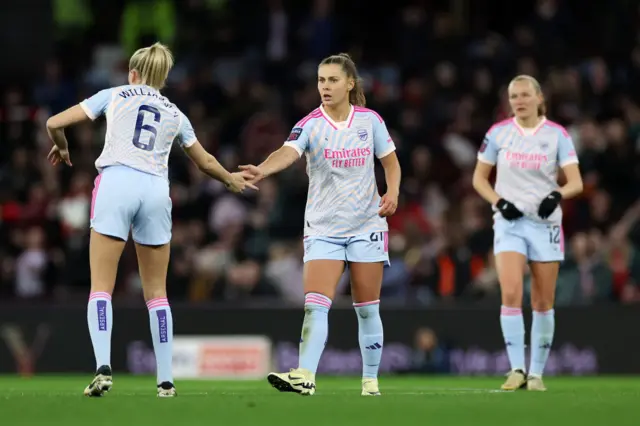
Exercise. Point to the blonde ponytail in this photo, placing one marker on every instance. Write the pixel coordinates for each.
(153, 64)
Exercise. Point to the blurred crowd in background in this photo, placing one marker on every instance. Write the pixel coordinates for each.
(436, 71)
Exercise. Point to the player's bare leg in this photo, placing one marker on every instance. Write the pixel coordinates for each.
(543, 288)
(320, 281)
(510, 267)
(153, 262)
(366, 282)
(104, 255)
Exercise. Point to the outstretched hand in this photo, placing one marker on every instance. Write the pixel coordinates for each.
(240, 181)
(254, 171)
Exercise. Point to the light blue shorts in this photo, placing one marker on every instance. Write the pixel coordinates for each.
(539, 242)
(127, 199)
(365, 248)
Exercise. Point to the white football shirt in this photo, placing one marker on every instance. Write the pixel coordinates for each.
(343, 198)
(527, 162)
(141, 127)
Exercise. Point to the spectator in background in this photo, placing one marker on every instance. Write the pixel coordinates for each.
(430, 356)
(30, 266)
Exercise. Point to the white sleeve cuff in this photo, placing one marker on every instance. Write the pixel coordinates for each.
(385, 153)
(485, 160)
(569, 161)
(188, 143)
(294, 146)
(87, 111)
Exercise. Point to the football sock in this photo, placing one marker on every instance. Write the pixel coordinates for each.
(315, 329)
(370, 337)
(161, 322)
(100, 320)
(512, 324)
(542, 330)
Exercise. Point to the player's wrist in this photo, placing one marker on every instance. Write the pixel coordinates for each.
(62, 144)
(227, 178)
(264, 171)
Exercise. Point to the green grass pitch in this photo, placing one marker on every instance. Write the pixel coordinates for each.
(442, 401)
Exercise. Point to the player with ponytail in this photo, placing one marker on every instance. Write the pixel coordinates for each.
(131, 195)
(345, 221)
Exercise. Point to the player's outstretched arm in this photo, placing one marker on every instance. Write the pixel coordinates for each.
(276, 162)
(66, 118)
(392, 175)
(207, 164)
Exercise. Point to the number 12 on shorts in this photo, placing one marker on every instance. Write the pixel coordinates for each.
(554, 234)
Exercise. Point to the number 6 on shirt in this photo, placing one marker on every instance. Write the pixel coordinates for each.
(148, 127)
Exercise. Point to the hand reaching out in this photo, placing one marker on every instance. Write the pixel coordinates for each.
(240, 181)
(255, 171)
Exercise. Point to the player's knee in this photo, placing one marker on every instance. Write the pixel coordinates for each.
(365, 294)
(542, 304)
(512, 294)
(154, 293)
(542, 296)
(366, 281)
(324, 290)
